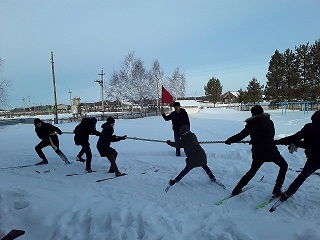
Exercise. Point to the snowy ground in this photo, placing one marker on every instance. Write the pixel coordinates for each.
(51, 205)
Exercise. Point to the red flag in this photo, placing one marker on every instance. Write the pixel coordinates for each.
(166, 96)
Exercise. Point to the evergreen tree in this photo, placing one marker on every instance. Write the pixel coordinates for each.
(291, 76)
(303, 63)
(275, 78)
(254, 91)
(315, 65)
(213, 90)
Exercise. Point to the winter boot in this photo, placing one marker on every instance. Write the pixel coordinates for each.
(80, 159)
(44, 161)
(237, 190)
(89, 170)
(111, 170)
(277, 189)
(172, 182)
(284, 196)
(118, 174)
(212, 177)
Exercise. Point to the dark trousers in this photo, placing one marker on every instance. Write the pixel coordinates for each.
(308, 169)
(255, 167)
(85, 149)
(188, 169)
(52, 141)
(177, 139)
(112, 159)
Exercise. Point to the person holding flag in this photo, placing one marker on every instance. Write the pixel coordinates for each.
(178, 117)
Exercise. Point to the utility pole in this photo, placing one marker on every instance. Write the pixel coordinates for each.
(102, 89)
(54, 92)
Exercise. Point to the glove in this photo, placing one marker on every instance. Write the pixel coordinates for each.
(124, 137)
(60, 132)
(168, 142)
(228, 142)
(292, 148)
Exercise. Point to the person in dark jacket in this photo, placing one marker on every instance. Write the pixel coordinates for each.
(261, 130)
(310, 134)
(48, 135)
(179, 117)
(81, 137)
(104, 142)
(196, 156)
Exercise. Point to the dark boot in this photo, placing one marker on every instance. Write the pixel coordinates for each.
(237, 190)
(172, 182)
(212, 177)
(80, 159)
(44, 161)
(277, 189)
(284, 196)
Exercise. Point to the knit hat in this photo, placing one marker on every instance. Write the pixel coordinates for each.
(36, 120)
(184, 129)
(110, 120)
(176, 104)
(256, 110)
(316, 117)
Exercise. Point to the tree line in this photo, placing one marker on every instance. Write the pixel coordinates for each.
(292, 76)
(134, 83)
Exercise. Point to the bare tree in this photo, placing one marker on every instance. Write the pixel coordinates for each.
(156, 78)
(4, 84)
(177, 84)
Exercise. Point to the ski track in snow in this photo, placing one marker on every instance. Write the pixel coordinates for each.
(135, 206)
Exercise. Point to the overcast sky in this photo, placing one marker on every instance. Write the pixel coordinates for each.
(231, 40)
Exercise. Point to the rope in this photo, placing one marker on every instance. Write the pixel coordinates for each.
(163, 141)
(145, 139)
(154, 140)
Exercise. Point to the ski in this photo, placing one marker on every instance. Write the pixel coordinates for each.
(230, 196)
(167, 187)
(275, 205)
(22, 166)
(153, 171)
(109, 178)
(220, 184)
(77, 174)
(13, 234)
(267, 201)
(46, 171)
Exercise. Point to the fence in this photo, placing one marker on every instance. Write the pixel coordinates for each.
(100, 117)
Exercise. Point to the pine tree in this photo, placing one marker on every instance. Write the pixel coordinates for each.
(275, 78)
(213, 90)
(254, 91)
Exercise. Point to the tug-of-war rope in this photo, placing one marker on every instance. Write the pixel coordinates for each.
(155, 140)
(164, 141)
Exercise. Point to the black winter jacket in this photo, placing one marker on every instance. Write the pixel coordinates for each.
(105, 139)
(311, 135)
(45, 131)
(83, 130)
(178, 119)
(261, 130)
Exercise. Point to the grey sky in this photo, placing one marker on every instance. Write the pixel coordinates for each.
(231, 40)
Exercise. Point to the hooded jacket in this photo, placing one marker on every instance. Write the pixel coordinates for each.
(45, 131)
(105, 139)
(196, 156)
(84, 129)
(261, 130)
(310, 133)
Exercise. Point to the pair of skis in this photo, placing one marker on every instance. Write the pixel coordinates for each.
(261, 205)
(216, 182)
